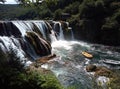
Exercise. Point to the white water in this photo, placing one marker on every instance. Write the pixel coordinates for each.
(69, 65)
(13, 36)
(60, 34)
(13, 44)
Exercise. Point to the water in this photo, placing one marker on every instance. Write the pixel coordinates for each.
(59, 31)
(16, 35)
(69, 65)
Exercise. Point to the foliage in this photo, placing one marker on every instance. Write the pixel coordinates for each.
(114, 82)
(72, 8)
(82, 15)
(13, 75)
(11, 12)
(57, 14)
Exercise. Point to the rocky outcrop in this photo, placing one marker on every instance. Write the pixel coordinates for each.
(40, 46)
(64, 26)
(105, 77)
(66, 30)
(99, 70)
(8, 29)
(45, 59)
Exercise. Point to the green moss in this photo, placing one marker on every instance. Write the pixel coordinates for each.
(115, 81)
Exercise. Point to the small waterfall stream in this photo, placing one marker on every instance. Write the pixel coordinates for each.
(58, 29)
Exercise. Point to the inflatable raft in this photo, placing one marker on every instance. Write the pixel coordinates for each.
(87, 55)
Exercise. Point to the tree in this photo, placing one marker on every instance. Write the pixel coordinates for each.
(28, 2)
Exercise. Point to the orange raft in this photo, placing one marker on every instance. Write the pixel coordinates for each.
(87, 55)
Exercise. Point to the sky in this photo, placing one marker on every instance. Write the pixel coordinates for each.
(10, 2)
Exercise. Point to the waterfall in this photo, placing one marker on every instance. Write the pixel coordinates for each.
(72, 35)
(58, 29)
(61, 32)
(71, 31)
(30, 38)
(27, 38)
(53, 37)
(8, 44)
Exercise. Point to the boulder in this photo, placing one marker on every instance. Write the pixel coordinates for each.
(91, 68)
(45, 59)
(40, 45)
(99, 70)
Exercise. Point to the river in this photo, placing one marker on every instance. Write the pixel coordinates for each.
(70, 65)
(34, 39)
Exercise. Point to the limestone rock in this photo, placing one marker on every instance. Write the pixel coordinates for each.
(45, 59)
(41, 46)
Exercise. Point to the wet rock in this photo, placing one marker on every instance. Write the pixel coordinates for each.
(99, 70)
(9, 29)
(41, 46)
(45, 59)
(66, 30)
(91, 68)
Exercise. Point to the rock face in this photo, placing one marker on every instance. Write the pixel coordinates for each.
(91, 68)
(45, 59)
(41, 46)
(8, 29)
(62, 30)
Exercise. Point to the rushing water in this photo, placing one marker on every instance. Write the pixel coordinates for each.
(69, 66)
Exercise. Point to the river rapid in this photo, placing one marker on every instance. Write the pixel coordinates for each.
(70, 65)
(33, 39)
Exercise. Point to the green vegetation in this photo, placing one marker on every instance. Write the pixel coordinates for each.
(14, 75)
(94, 21)
(13, 12)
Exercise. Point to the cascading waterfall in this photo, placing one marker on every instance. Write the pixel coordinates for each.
(29, 38)
(58, 29)
(32, 39)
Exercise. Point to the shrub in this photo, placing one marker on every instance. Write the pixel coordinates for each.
(13, 75)
(57, 14)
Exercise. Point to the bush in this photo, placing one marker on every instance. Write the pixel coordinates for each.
(72, 8)
(13, 75)
(57, 14)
